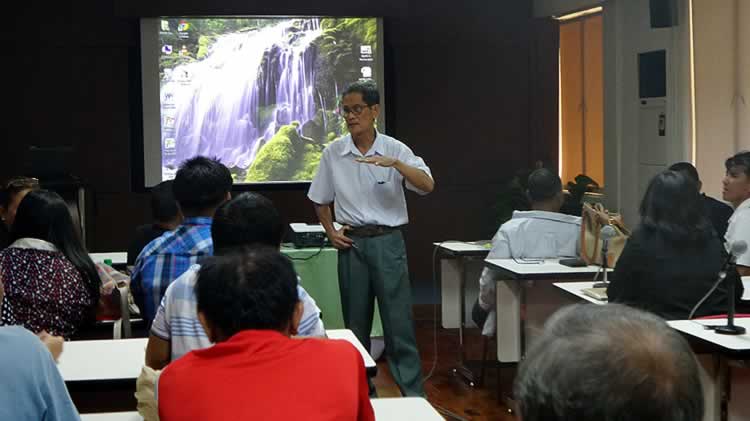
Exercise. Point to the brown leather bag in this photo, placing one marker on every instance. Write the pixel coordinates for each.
(593, 218)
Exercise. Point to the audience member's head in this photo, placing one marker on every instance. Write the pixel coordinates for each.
(10, 196)
(246, 220)
(164, 207)
(613, 362)
(545, 190)
(367, 89)
(673, 208)
(737, 179)
(248, 289)
(201, 185)
(688, 170)
(44, 215)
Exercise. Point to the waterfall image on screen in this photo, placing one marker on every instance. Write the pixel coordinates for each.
(260, 94)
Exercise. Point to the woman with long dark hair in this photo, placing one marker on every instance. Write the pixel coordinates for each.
(674, 256)
(51, 284)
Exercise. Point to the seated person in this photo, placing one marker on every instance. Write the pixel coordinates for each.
(248, 306)
(718, 212)
(611, 362)
(673, 257)
(247, 220)
(32, 388)
(542, 232)
(166, 215)
(10, 196)
(737, 192)
(200, 186)
(50, 281)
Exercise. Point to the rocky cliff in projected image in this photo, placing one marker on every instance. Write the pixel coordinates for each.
(258, 93)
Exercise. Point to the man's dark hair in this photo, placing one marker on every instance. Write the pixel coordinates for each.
(740, 159)
(201, 183)
(543, 185)
(247, 289)
(687, 169)
(673, 208)
(247, 219)
(163, 203)
(367, 89)
(610, 362)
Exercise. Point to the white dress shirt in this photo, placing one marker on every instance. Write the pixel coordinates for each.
(739, 230)
(365, 193)
(528, 234)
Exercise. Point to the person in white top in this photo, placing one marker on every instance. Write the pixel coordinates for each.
(542, 232)
(736, 191)
(363, 175)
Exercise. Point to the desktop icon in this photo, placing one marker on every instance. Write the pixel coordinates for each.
(166, 49)
(365, 50)
(170, 143)
(183, 26)
(165, 25)
(366, 71)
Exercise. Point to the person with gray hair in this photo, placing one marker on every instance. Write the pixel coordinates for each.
(609, 362)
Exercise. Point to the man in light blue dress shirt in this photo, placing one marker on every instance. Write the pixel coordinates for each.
(363, 175)
(542, 232)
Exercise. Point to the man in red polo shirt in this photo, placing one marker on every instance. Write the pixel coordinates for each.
(248, 306)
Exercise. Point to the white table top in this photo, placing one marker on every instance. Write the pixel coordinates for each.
(695, 328)
(122, 359)
(527, 268)
(576, 288)
(386, 409)
(465, 247)
(404, 409)
(110, 359)
(117, 257)
(348, 335)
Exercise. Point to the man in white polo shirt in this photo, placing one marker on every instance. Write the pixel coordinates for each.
(363, 175)
(737, 192)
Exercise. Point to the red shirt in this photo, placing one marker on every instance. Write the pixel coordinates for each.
(264, 375)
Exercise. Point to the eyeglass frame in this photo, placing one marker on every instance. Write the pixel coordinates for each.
(343, 111)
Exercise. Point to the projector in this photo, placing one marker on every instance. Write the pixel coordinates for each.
(309, 235)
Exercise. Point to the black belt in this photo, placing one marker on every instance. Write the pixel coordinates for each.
(371, 230)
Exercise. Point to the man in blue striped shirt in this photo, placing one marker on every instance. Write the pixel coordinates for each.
(247, 220)
(200, 186)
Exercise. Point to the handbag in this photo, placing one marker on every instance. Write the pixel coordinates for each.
(593, 218)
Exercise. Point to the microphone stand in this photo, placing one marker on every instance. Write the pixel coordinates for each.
(730, 328)
(603, 269)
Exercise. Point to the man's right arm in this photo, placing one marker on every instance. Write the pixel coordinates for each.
(158, 352)
(743, 270)
(338, 238)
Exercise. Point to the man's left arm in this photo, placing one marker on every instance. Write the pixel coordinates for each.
(412, 168)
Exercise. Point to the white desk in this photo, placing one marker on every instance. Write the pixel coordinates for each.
(404, 409)
(387, 409)
(348, 335)
(728, 366)
(459, 262)
(112, 359)
(460, 268)
(117, 257)
(576, 289)
(122, 359)
(526, 286)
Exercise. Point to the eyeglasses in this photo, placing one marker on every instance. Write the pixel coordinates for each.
(355, 109)
(528, 261)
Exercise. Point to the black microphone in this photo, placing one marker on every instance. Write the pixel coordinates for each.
(736, 249)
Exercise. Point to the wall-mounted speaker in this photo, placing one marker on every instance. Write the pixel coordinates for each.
(663, 13)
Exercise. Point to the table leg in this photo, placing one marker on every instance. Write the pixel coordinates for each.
(461, 370)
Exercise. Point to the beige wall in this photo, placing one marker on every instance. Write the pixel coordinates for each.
(722, 80)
